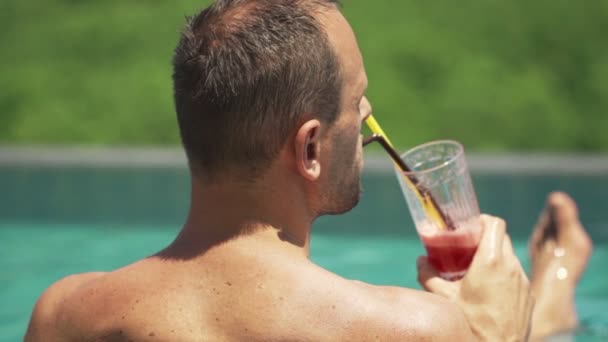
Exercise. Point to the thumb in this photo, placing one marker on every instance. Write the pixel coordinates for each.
(429, 278)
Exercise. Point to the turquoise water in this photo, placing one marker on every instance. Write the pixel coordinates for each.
(54, 222)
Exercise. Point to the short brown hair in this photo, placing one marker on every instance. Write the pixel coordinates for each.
(244, 72)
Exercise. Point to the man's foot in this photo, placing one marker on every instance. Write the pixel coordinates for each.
(560, 249)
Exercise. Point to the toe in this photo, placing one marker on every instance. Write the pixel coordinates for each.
(541, 233)
(566, 211)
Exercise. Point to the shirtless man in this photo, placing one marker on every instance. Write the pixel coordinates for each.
(270, 97)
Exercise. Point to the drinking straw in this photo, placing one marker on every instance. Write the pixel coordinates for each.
(429, 204)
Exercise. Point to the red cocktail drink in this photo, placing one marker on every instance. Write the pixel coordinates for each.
(451, 252)
(451, 261)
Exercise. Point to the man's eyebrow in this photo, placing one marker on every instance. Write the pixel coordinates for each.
(360, 93)
(365, 85)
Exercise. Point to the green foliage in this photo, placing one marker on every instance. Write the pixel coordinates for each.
(496, 75)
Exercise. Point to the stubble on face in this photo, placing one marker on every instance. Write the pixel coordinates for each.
(341, 186)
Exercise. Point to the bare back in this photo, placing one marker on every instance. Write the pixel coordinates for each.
(233, 294)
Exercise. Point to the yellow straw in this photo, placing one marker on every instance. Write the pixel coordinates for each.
(375, 127)
(429, 206)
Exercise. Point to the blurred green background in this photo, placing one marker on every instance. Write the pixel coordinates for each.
(497, 75)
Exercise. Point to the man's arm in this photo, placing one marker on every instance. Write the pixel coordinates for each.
(399, 314)
(433, 319)
(495, 294)
(493, 302)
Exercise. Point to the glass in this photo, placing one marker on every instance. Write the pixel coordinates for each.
(437, 186)
(440, 168)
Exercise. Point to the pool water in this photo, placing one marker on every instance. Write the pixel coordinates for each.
(55, 222)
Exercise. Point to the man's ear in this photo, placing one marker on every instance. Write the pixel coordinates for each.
(308, 149)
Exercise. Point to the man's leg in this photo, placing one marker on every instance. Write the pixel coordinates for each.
(560, 249)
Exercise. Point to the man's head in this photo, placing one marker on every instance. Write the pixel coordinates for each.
(253, 78)
(245, 73)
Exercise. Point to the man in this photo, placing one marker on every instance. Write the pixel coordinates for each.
(270, 97)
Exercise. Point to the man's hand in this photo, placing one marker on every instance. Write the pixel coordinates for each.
(495, 294)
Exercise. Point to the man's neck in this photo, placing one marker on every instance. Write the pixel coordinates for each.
(223, 211)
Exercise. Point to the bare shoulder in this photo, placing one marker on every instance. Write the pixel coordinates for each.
(393, 313)
(356, 311)
(43, 323)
